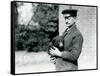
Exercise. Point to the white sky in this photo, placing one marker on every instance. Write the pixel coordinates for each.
(25, 13)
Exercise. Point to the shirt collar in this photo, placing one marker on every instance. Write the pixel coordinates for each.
(69, 30)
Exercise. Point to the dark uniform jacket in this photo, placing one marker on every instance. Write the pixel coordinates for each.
(73, 40)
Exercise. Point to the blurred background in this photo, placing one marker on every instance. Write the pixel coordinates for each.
(35, 26)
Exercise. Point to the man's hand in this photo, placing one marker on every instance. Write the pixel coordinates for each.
(55, 52)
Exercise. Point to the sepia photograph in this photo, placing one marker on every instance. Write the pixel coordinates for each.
(51, 37)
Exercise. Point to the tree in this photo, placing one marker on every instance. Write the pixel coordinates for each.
(33, 39)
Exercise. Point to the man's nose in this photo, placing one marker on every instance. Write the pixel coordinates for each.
(66, 21)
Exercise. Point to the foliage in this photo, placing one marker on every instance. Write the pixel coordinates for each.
(28, 38)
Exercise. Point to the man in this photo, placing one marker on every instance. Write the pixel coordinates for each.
(66, 59)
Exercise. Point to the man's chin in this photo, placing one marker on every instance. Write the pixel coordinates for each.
(68, 25)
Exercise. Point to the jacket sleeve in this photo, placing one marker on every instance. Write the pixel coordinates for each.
(75, 51)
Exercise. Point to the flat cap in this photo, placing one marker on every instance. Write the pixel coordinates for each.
(72, 12)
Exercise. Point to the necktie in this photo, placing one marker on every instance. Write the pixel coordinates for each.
(65, 32)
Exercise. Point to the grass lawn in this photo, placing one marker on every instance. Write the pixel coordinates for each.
(30, 62)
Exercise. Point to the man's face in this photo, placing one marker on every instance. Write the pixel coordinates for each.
(69, 20)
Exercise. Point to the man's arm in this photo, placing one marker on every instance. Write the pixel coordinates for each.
(75, 51)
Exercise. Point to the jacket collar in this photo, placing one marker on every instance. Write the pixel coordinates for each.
(70, 30)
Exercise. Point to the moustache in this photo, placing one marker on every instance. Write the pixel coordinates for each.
(67, 23)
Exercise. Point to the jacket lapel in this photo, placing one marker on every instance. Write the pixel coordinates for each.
(68, 31)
